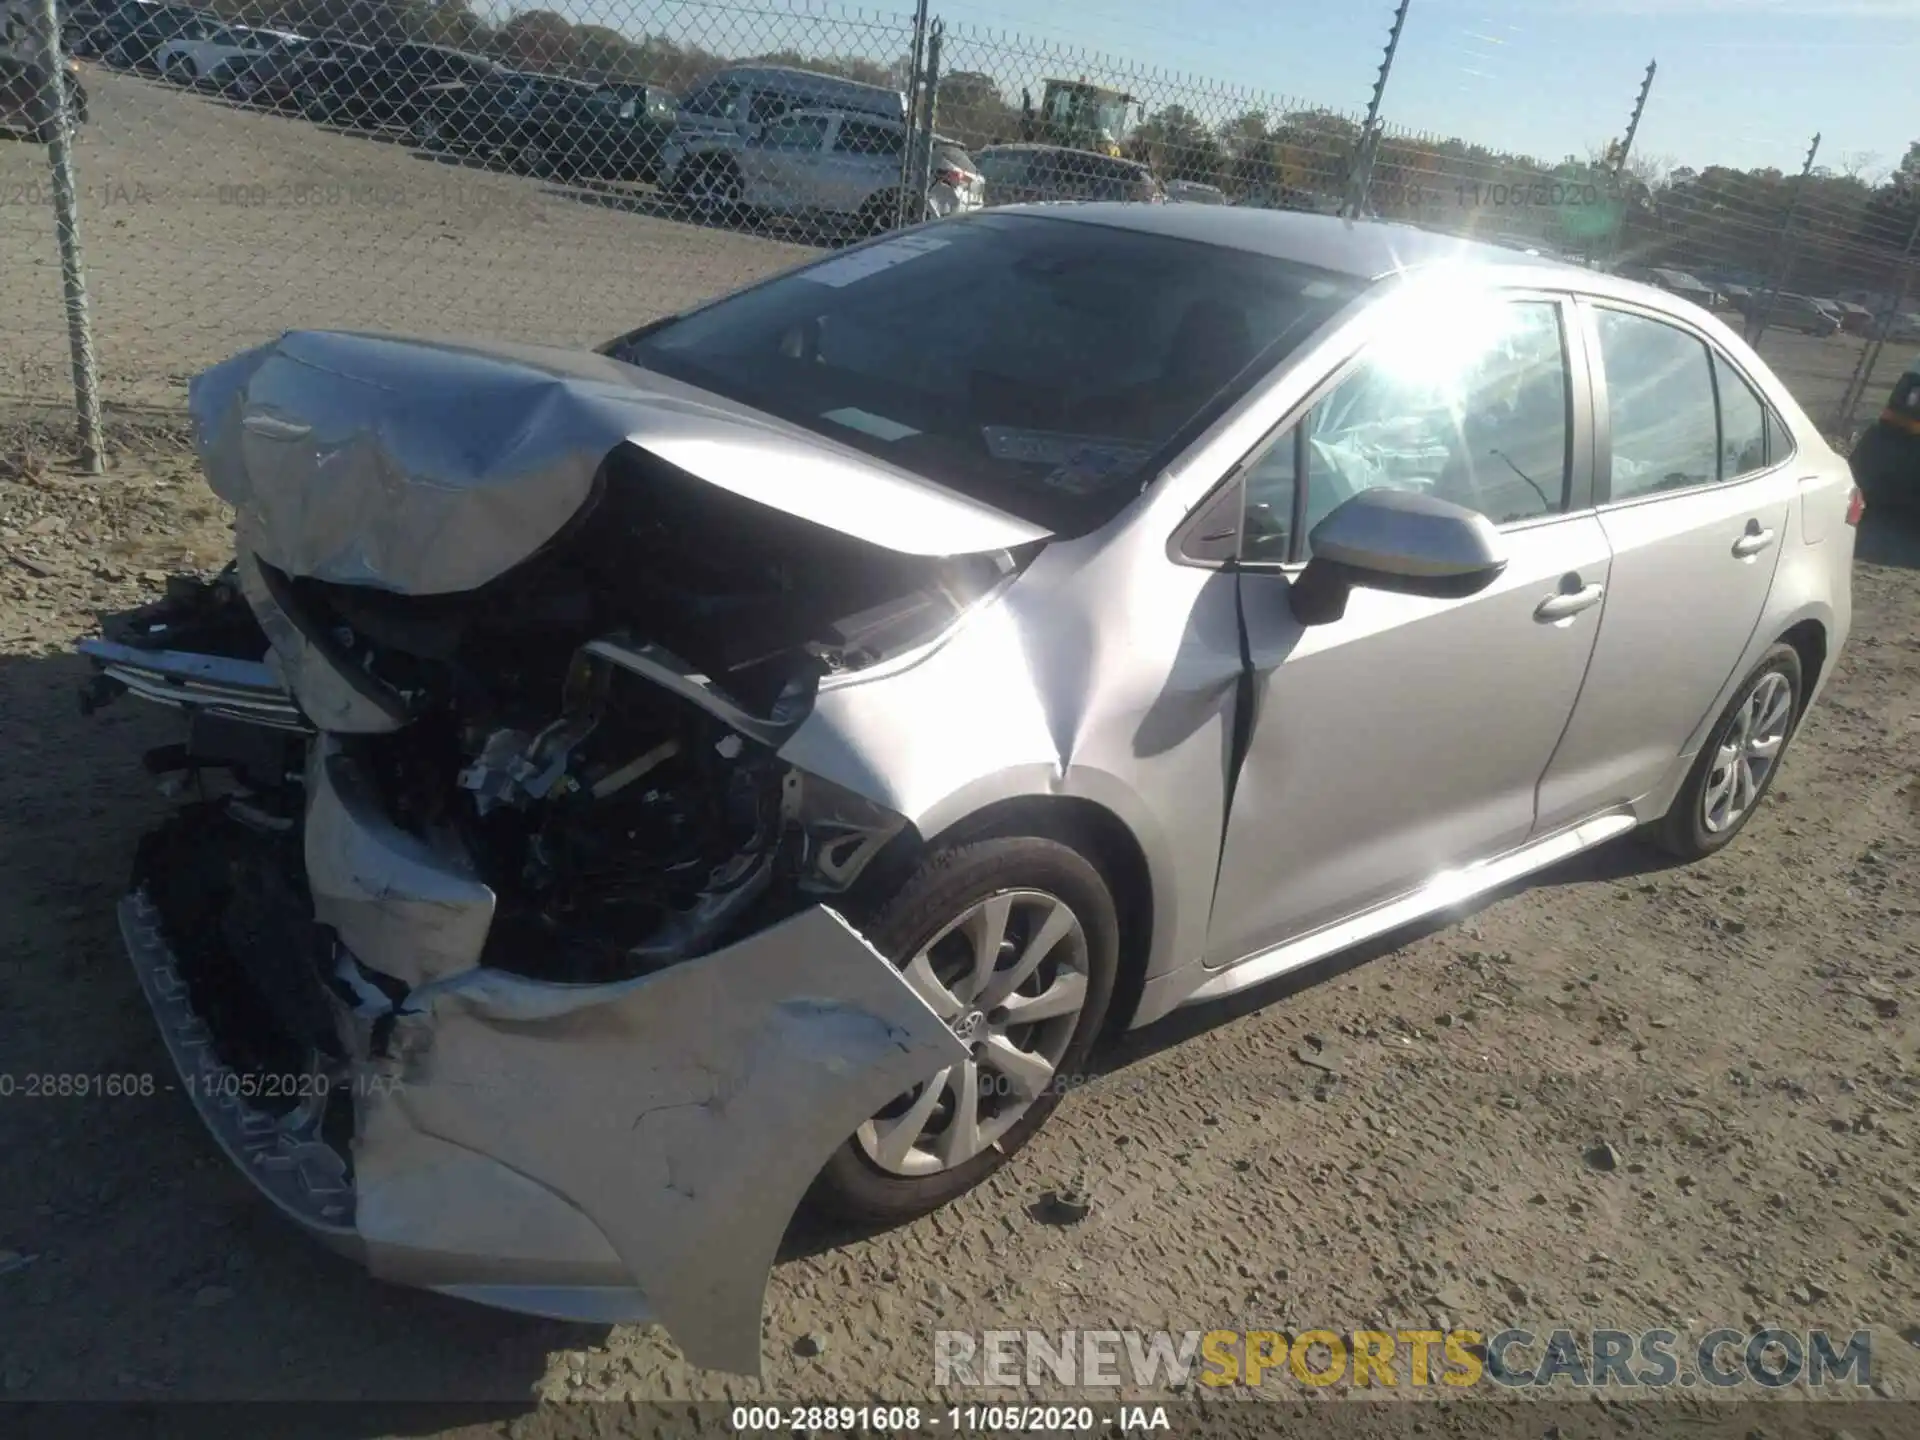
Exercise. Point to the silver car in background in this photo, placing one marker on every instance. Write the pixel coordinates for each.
(833, 169)
(640, 789)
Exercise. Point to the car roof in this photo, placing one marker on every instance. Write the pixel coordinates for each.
(793, 73)
(1364, 249)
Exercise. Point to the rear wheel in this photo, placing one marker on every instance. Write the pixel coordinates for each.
(1736, 766)
(709, 186)
(1014, 943)
(315, 105)
(428, 133)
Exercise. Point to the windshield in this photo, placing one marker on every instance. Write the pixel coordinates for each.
(1036, 364)
(1110, 116)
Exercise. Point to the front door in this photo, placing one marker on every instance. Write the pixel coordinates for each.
(1408, 737)
(1696, 511)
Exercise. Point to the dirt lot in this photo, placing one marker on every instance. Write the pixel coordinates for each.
(208, 228)
(1741, 1032)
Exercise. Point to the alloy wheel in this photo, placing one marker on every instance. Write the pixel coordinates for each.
(1008, 975)
(1747, 753)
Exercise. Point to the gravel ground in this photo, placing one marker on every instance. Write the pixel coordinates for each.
(209, 228)
(1740, 1033)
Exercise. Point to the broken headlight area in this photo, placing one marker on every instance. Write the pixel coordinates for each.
(597, 730)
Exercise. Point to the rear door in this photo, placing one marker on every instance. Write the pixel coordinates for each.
(863, 162)
(1695, 509)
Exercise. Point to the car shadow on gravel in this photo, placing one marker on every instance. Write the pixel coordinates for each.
(139, 1264)
(1888, 540)
(1614, 861)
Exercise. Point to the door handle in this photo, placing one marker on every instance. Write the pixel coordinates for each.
(1753, 542)
(1565, 604)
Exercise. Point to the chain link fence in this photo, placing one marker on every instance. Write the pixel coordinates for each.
(414, 165)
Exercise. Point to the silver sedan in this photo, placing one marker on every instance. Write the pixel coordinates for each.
(763, 757)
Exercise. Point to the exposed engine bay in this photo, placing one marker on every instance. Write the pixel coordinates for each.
(596, 729)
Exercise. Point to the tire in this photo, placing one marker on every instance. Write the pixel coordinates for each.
(708, 186)
(1033, 878)
(878, 214)
(316, 105)
(530, 157)
(182, 71)
(1689, 829)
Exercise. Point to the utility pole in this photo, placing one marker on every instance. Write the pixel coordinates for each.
(1367, 148)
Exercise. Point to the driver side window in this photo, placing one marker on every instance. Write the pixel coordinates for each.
(1472, 407)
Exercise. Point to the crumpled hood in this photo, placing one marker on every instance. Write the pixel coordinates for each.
(430, 467)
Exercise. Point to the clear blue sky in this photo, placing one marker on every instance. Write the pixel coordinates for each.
(1741, 82)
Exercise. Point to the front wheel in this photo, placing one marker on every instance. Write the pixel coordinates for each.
(1736, 766)
(1014, 943)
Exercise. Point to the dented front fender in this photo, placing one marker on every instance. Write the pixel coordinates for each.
(684, 1114)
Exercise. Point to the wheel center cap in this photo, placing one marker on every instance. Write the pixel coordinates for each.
(969, 1025)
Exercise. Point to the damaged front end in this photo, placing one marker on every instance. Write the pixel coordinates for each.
(494, 937)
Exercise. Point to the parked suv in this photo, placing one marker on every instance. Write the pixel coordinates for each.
(548, 126)
(736, 104)
(1020, 174)
(386, 84)
(274, 78)
(833, 170)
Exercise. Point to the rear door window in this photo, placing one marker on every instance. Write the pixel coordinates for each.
(713, 100)
(1743, 423)
(1660, 394)
(797, 132)
(859, 137)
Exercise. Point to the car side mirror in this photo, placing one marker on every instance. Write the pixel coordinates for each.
(1399, 541)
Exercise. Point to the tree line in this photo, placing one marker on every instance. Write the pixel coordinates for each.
(1846, 227)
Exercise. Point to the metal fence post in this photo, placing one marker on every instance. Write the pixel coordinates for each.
(916, 75)
(923, 139)
(1870, 357)
(1763, 311)
(1367, 148)
(73, 271)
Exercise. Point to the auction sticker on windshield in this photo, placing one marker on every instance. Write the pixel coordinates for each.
(858, 264)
